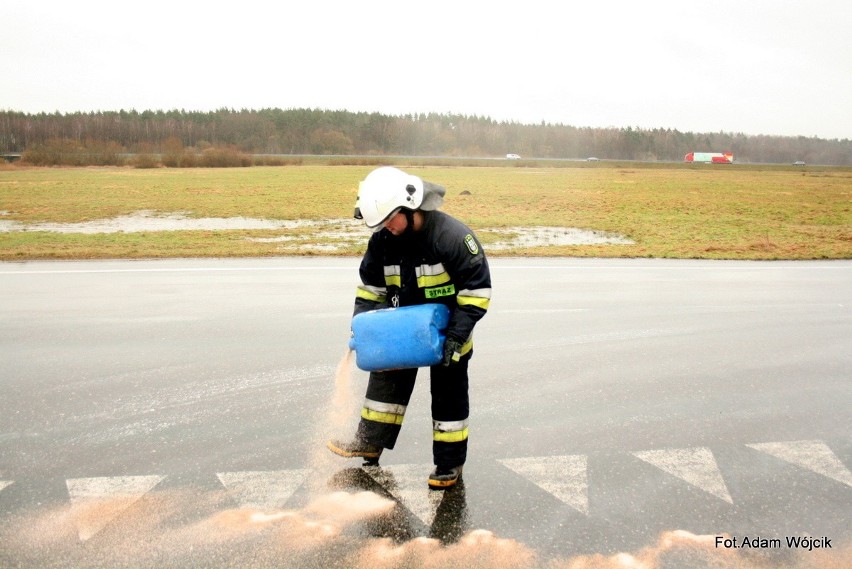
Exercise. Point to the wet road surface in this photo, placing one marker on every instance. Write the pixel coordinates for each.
(174, 412)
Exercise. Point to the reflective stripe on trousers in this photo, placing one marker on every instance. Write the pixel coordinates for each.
(449, 431)
(388, 395)
(390, 413)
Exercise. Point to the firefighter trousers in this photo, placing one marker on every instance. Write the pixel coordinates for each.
(388, 394)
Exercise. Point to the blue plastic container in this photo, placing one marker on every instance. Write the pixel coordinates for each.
(397, 338)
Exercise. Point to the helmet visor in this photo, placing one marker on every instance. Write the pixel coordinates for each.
(381, 224)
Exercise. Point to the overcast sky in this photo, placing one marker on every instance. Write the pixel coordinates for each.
(753, 66)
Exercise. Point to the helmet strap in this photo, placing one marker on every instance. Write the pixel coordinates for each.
(409, 217)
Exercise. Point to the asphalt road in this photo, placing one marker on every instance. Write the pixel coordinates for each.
(151, 411)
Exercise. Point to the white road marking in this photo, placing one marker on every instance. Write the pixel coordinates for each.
(541, 310)
(812, 455)
(495, 263)
(169, 270)
(408, 484)
(683, 265)
(565, 477)
(97, 501)
(264, 490)
(697, 466)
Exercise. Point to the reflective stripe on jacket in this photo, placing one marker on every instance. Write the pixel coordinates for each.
(443, 262)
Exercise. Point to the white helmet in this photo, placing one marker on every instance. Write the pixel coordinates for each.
(386, 190)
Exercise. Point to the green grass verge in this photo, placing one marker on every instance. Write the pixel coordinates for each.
(710, 212)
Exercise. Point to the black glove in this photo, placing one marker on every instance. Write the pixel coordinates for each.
(452, 351)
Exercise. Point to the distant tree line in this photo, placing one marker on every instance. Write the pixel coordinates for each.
(231, 137)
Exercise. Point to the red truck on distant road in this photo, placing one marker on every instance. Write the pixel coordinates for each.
(710, 157)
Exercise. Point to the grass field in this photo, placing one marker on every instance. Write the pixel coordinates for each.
(710, 212)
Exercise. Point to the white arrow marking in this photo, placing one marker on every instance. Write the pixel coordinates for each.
(264, 490)
(812, 455)
(694, 465)
(5, 483)
(96, 501)
(563, 476)
(408, 484)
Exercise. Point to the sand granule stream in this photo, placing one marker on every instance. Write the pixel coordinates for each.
(194, 528)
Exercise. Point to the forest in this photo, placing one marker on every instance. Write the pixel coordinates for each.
(193, 138)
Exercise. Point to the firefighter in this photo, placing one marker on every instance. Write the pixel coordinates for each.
(418, 255)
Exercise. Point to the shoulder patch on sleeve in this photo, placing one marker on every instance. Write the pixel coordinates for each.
(471, 244)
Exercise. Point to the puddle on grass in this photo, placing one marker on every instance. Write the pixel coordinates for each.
(516, 237)
(328, 235)
(177, 221)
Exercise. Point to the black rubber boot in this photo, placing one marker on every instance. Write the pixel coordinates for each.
(356, 449)
(443, 478)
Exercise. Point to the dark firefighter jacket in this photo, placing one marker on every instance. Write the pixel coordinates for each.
(443, 262)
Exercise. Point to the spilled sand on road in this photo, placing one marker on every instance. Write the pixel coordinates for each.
(319, 536)
(194, 528)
